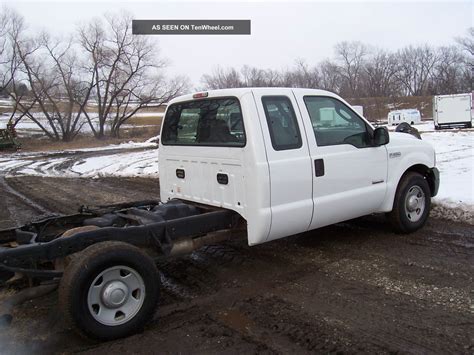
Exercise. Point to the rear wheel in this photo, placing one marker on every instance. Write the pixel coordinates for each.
(110, 292)
(412, 203)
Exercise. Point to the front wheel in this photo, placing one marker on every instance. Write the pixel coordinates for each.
(110, 292)
(412, 203)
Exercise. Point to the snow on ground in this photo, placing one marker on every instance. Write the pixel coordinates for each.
(136, 164)
(455, 161)
(139, 164)
(454, 150)
(137, 159)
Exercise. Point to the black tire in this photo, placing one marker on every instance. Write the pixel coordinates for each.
(398, 216)
(79, 276)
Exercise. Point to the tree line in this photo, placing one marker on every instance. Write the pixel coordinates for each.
(358, 70)
(100, 76)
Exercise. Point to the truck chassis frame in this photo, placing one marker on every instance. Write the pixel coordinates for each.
(155, 226)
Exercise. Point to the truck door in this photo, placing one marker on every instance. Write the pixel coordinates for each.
(349, 174)
(288, 160)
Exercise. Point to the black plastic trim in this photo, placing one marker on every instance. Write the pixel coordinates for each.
(222, 179)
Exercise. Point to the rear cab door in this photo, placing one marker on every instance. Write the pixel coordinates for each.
(349, 174)
(289, 161)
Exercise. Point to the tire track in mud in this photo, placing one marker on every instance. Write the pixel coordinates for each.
(66, 195)
(17, 207)
(291, 328)
(6, 187)
(196, 275)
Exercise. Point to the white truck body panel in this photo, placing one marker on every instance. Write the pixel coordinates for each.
(411, 116)
(452, 109)
(277, 192)
(338, 189)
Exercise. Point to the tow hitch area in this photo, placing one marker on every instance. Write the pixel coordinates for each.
(103, 259)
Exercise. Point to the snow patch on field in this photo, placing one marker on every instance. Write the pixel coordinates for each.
(454, 150)
(137, 159)
(139, 164)
(455, 161)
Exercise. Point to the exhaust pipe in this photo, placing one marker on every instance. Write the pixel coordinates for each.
(187, 246)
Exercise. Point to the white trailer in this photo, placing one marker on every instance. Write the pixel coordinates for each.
(452, 111)
(359, 109)
(411, 116)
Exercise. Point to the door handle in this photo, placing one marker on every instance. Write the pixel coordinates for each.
(319, 167)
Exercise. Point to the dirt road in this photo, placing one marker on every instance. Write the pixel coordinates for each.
(353, 287)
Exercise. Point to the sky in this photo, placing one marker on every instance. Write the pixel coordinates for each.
(282, 31)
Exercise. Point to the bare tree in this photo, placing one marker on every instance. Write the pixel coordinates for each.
(253, 77)
(222, 78)
(11, 84)
(38, 76)
(448, 72)
(351, 56)
(301, 76)
(380, 71)
(56, 94)
(416, 65)
(467, 45)
(467, 42)
(124, 72)
(330, 76)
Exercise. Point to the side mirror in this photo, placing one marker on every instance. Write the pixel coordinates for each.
(381, 136)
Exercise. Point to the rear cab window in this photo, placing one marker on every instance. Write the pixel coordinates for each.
(204, 122)
(282, 123)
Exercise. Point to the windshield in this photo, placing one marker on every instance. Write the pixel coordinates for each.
(208, 122)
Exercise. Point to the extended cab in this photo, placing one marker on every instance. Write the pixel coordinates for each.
(292, 160)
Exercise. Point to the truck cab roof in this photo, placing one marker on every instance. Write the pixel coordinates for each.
(238, 92)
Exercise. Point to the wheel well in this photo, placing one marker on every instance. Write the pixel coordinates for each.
(424, 171)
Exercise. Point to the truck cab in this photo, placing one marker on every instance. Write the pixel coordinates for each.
(291, 160)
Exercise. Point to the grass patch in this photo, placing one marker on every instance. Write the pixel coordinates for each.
(145, 120)
(82, 141)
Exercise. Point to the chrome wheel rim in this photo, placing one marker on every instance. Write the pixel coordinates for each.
(415, 202)
(116, 295)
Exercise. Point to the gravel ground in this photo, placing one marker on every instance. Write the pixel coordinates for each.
(352, 287)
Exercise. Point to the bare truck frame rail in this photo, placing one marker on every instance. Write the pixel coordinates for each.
(147, 224)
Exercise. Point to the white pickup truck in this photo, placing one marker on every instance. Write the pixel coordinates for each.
(264, 163)
(292, 160)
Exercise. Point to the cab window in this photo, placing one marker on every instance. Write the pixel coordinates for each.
(208, 122)
(282, 124)
(335, 123)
